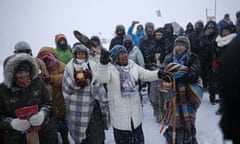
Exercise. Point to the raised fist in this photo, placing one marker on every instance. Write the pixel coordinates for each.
(135, 22)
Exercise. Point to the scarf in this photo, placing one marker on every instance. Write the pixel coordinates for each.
(179, 58)
(222, 41)
(128, 83)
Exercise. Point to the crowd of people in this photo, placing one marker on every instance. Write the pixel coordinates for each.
(80, 91)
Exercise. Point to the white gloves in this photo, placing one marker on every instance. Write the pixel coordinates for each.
(37, 119)
(20, 125)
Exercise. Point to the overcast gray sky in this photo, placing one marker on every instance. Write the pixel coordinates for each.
(38, 21)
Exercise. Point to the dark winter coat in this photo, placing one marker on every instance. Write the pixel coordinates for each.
(169, 37)
(207, 45)
(160, 46)
(12, 98)
(229, 72)
(220, 49)
(116, 40)
(147, 47)
(192, 62)
(195, 38)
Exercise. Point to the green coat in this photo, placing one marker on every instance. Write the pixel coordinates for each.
(64, 56)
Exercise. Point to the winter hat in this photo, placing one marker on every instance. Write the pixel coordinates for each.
(159, 30)
(227, 26)
(79, 47)
(95, 40)
(149, 24)
(183, 41)
(114, 52)
(199, 25)
(60, 36)
(24, 66)
(127, 38)
(22, 46)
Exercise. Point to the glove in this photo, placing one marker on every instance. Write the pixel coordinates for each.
(104, 57)
(215, 64)
(46, 79)
(37, 119)
(20, 125)
(161, 74)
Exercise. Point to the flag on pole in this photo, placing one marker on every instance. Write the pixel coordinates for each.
(158, 12)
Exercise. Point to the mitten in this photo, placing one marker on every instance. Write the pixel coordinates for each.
(20, 125)
(37, 119)
(104, 57)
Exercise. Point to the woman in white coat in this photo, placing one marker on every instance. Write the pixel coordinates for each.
(121, 76)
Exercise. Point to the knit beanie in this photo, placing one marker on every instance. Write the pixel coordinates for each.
(114, 52)
(183, 41)
(22, 46)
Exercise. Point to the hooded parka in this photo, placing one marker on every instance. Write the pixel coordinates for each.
(13, 97)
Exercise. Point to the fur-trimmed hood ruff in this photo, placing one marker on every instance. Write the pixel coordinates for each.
(11, 63)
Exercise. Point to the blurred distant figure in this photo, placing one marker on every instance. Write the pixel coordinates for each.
(195, 36)
(238, 21)
(119, 35)
(147, 45)
(189, 28)
(95, 55)
(207, 45)
(139, 33)
(229, 70)
(63, 49)
(169, 36)
(225, 21)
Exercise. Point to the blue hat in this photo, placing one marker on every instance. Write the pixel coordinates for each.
(114, 52)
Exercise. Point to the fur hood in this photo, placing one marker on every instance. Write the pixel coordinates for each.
(12, 62)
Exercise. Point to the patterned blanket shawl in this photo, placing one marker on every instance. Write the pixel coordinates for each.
(188, 97)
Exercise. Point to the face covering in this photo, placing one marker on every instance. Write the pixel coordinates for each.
(23, 79)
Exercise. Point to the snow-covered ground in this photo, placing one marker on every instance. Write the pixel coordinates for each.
(208, 131)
